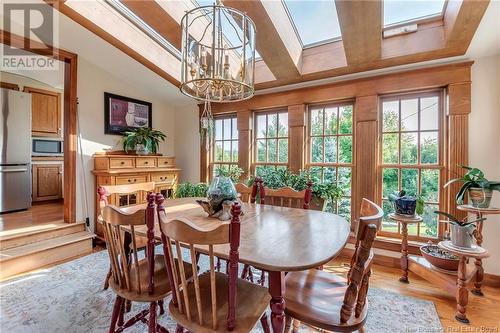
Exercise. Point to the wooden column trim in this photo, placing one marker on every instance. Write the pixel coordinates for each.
(296, 137)
(245, 142)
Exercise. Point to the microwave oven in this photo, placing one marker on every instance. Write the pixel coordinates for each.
(47, 147)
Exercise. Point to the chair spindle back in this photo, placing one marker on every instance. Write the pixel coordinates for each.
(288, 197)
(248, 194)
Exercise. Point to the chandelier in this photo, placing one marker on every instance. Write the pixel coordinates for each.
(218, 54)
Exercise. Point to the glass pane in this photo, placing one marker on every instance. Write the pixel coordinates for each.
(227, 129)
(330, 121)
(345, 119)
(218, 152)
(330, 149)
(409, 181)
(261, 150)
(272, 125)
(409, 114)
(399, 11)
(345, 208)
(429, 113)
(317, 150)
(413, 229)
(227, 151)
(430, 185)
(390, 115)
(271, 151)
(409, 148)
(390, 148)
(218, 129)
(235, 151)
(429, 227)
(388, 224)
(305, 16)
(429, 147)
(345, 180)
(316, 174)
(390, 183)
(283, 124)
(283, 150)
(234, 128)
(317, 122)
(329, 174)
(345, 149)
(261, 126)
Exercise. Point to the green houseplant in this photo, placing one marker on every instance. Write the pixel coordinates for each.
(407, 205)
(234, 172)
(462, 232)
(143, 140)
(190, 190)
(479, 188)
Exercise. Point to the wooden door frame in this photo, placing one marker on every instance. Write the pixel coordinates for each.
(70, 61)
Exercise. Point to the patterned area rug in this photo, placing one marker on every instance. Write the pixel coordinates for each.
(68, 298)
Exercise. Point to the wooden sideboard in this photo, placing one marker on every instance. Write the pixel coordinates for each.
(114, 169)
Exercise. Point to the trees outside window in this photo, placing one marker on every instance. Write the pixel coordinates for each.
(224, 152)
(271, 140)
(411, 156)
(331, 148)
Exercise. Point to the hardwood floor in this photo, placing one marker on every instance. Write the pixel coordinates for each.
(38, 215)
(483, 312)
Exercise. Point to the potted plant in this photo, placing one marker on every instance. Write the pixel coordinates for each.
(143, 140)
(407, 205)
(462, 232)
(234, 173)
(479, 188)
(189, 190)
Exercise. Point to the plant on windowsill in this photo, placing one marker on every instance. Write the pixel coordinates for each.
(189, 190)
(406, 205)
(142, 140)
(479, 188)
(234, 173)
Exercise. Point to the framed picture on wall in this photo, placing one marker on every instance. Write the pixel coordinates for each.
(123, 113)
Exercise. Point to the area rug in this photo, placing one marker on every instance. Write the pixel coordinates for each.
(68, 298)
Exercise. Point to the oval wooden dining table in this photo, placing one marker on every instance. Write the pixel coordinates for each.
(273, 239)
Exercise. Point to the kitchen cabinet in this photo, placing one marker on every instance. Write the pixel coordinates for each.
(47, 181)
(45, 112)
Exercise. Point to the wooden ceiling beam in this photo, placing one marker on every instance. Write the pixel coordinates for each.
(361, 27)
(277, 41)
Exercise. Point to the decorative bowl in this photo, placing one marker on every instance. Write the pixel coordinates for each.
(439, 257)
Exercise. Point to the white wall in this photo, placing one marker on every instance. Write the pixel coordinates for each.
(93, 81)
(484, 143)
(187, 143)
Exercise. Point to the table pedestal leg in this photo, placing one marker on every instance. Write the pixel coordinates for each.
(277, 304)
(478, 262)
(462, 292)
(404, 253)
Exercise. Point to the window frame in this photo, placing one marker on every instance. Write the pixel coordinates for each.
(254, 150)
(308, 149)
(213, 144)
(440, 165)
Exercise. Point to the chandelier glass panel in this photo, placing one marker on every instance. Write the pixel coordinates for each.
(218, 54)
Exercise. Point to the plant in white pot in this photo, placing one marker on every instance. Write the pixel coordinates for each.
(479, 188)
(142, 140)
(462, 232)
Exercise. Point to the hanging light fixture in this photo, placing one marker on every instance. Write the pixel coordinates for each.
(218, 54)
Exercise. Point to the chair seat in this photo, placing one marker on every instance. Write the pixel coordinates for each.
(252, 300)
(315, 297)
(160, 278)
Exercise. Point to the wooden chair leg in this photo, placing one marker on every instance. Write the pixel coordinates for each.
(361, 330)
(179, 329)
(162, 309)
(116, 313)
(244, 273)
(121, 316)
(288, 323)
(262, 279)
(106, 281)
(152, 318)
(296, 326)
(265, 323)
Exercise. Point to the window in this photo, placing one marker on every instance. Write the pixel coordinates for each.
(411, 156)
(331, 148)
(397, 11)
(224, 152)
(271, 140)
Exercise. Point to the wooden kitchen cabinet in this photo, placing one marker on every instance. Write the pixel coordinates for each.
(47, 181)
(45, 112)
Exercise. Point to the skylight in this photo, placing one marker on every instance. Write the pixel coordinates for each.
(397, 11)
(316, 21)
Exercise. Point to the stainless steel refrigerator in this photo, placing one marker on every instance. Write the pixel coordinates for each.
(15, 150)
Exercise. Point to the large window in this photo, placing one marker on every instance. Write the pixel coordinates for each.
(412, 156)
(224, 152)
(271, 140)
(331, 148)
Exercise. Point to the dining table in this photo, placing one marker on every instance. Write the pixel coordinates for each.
(274, 239)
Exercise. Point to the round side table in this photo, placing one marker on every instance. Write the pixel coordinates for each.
(404, 221)
(478, 234)
(477, 253)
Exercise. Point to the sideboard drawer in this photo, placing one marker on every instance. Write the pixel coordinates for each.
(166, 162)
(121, 163)
(131, 180)
(144, 162)
(162, 177)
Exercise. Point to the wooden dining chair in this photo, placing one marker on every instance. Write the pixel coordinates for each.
(330, 302)
(211, 301)
(247, 194)
(104, 192)
(143, 280)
